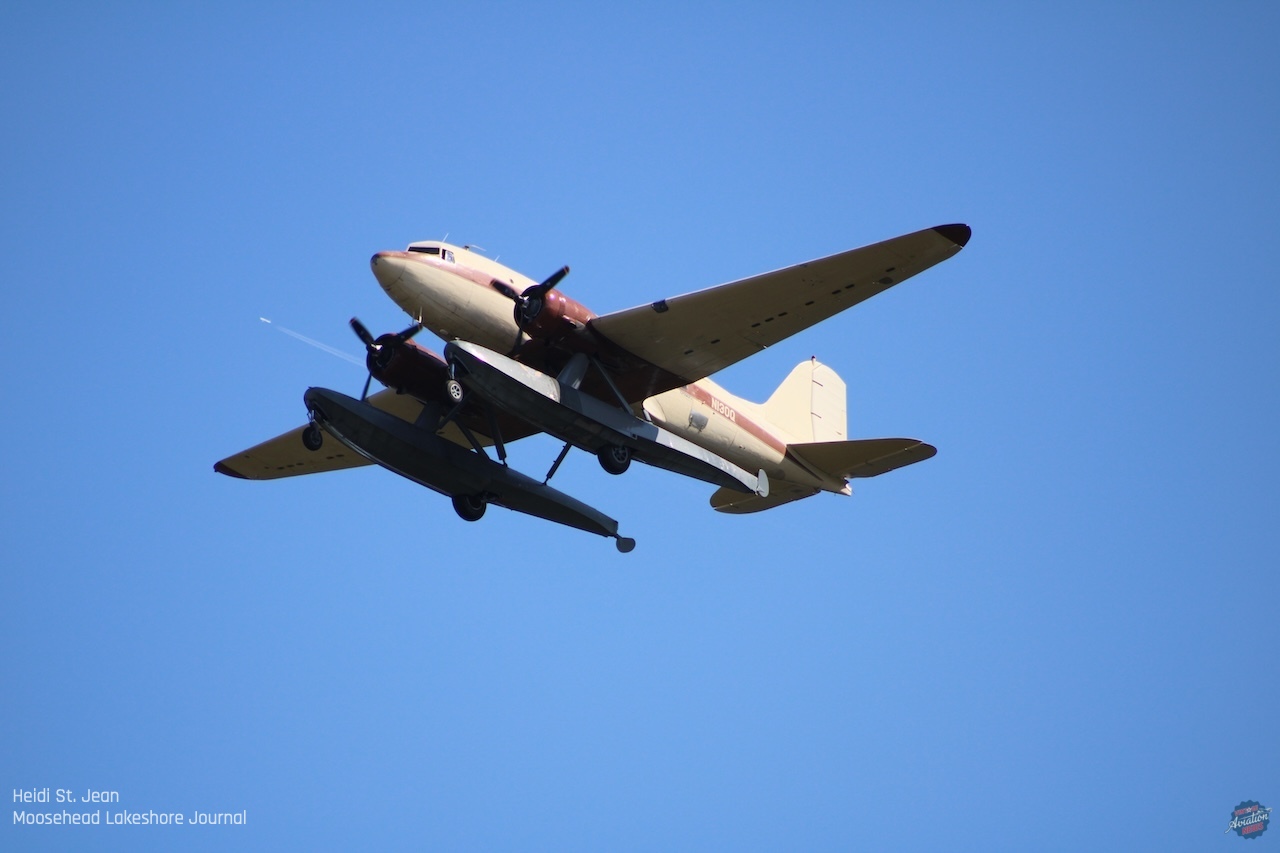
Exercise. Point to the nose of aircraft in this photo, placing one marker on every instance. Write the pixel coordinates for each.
(388, 267)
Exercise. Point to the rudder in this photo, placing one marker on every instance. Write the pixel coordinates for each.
(810, 404)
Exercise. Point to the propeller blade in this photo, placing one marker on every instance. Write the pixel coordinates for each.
(505, 289)
(381, 350)
(554, 279)
(362, 333)
(515, 345)
(408, 333)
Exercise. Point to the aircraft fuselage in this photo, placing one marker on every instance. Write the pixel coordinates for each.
(459, 294)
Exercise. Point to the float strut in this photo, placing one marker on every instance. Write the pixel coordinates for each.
(555, 465)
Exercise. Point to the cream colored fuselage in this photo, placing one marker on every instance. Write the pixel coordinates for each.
(450, 291)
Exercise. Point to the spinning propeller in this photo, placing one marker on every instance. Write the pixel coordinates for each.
(529, 303)
(380, 350)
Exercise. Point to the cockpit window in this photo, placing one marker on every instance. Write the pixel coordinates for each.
(445, 254)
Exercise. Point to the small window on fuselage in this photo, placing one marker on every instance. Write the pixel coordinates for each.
(447, 255)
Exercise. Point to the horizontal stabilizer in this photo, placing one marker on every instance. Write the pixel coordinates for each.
(739, 503)
(866, 457)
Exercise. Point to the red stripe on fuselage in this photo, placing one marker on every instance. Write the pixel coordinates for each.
(729, 413)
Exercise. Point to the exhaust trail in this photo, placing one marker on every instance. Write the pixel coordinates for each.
(331, 350)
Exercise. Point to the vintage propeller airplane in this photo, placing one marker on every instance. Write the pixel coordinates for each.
(521, 358)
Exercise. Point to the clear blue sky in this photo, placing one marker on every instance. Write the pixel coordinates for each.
(1060, 633)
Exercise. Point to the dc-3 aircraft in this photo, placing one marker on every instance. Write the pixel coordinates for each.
(521, 357)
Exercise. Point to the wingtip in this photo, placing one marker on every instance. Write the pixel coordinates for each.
(223, 468)
(957, 233)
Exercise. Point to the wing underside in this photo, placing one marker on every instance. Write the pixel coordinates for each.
(285, 455)
(686, 338)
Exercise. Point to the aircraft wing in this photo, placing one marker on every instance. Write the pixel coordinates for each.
(688, 337)
(285, 456)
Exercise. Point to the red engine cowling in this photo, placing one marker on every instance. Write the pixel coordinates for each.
(552, 316)
(410, 369)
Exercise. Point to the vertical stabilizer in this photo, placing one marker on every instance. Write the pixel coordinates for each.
(810, 404)
(829, 414)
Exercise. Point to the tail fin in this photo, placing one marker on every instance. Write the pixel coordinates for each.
(810, 404)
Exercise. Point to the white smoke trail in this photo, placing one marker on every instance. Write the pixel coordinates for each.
(291, 333)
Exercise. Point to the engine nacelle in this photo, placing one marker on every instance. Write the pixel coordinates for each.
(409, 369)
(551, 316)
